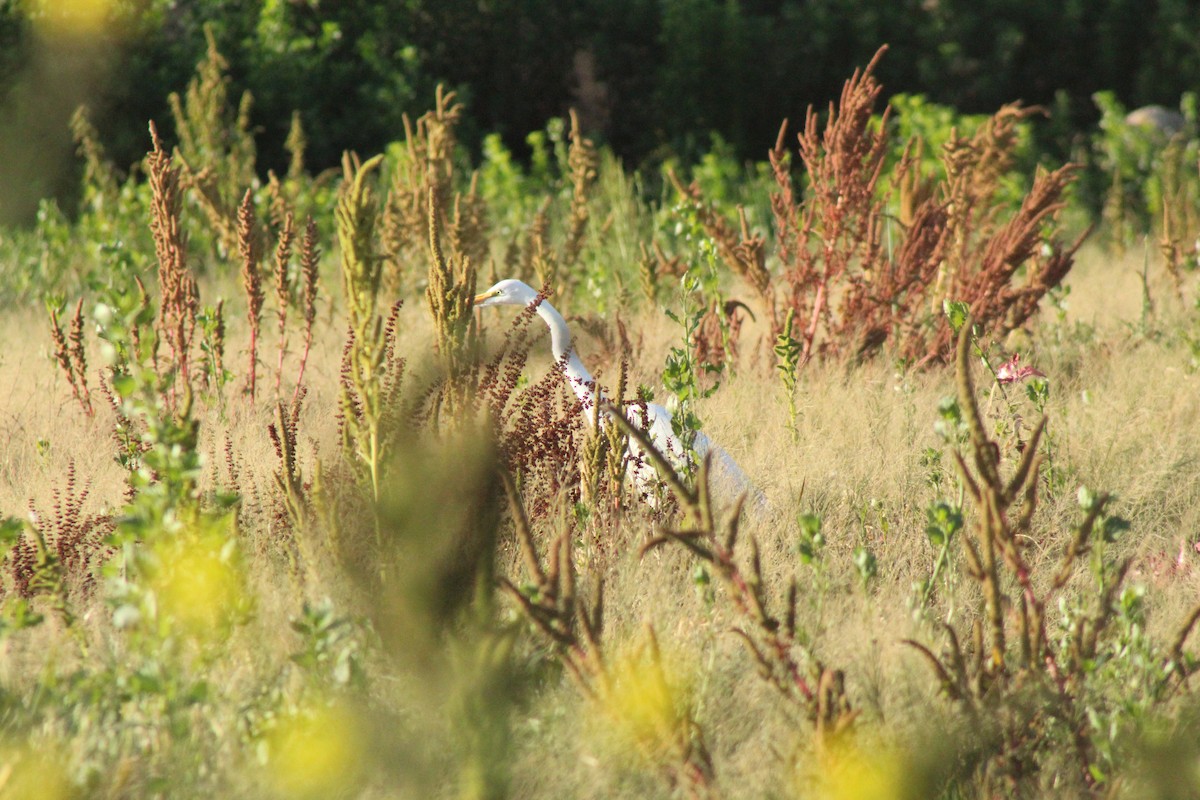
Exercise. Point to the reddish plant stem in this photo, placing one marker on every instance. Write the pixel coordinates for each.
(303, 361)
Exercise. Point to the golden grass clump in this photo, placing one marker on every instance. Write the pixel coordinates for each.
(583, 163)
(371, 371)
(538, 260)
(603, 461)
(357, 216)
(450, 295)
(427, 167)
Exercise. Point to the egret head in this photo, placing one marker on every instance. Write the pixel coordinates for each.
(507, 292)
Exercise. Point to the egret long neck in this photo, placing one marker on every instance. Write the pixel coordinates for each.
(560, 343)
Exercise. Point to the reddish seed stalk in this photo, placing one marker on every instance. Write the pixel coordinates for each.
(251, 282)
(310, 255)
(180, 297)
(253, 360)
(79, 358)
(70, 355)
(303, 362)
(283, 255)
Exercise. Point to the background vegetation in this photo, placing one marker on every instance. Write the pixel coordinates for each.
(650, 78)
(283, 516)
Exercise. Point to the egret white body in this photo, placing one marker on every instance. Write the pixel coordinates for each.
(728, 478)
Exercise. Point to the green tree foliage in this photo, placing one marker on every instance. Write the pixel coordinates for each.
(648, 76)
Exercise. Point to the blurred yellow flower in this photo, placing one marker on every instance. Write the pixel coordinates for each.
(650, 698)
(852, 774)
(32, 774)
(316, 754)
(199, 585)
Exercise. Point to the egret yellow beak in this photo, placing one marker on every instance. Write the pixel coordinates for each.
(479, 298)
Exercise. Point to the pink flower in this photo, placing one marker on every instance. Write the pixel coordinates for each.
(1011, 371)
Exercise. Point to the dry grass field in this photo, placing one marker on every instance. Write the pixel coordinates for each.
(423, 575)
(1123, 401)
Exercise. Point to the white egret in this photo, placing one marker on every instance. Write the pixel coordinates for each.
(654, 420)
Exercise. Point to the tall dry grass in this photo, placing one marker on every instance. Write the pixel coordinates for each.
(1121, 411)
